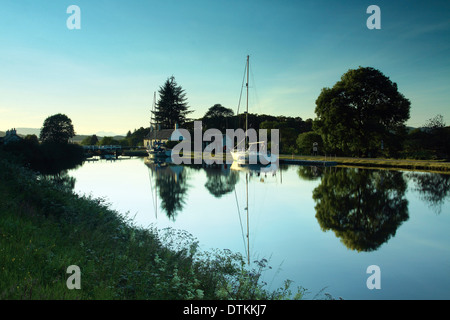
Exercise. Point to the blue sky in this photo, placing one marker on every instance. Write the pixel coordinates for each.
(103, 76)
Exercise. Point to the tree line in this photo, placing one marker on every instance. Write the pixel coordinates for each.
(362, 115)
(52, 152)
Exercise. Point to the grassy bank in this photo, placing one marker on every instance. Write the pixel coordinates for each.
(438, 166)
(420, 165)
(45, 228)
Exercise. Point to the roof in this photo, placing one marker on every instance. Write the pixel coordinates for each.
(163, 134)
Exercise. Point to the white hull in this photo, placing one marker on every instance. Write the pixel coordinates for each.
(249, 157)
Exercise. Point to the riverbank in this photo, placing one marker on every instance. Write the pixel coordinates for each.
(45, 228)
(438, 166)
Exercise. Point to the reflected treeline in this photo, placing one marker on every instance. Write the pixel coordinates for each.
(221, 181)
(61, 180)
(310, 173)
(363, 207)
(433, 188)
(170, 183)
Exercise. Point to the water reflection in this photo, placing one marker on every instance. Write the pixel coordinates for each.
(169, 182)
(310, 173)
(61, 180)
(363, 207)
(433, 188)
(220, 180)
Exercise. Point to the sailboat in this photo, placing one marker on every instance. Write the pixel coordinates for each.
(255, 152)
(155, 149)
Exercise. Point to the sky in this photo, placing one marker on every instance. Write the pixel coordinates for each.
(103, 75)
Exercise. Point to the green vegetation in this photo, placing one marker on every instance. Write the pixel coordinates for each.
(54, 153)
(45, 228)
(429, 142)
(57, 129)
(362, 115)
(171, 107)
(438, 166)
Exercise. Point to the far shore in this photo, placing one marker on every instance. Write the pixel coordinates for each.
(439, 166)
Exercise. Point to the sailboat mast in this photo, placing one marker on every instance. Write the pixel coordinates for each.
(248, 233)
(246, 113)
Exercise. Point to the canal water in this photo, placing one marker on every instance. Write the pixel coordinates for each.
(322, 228)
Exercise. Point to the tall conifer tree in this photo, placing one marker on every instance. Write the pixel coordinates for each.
(171, 107)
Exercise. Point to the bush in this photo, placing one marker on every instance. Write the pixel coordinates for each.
(305, 142)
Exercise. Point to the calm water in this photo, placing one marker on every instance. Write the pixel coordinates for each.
(319, 227)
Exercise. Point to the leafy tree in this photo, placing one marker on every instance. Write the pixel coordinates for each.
(218, 111)
(305, 142)
(171, 107)
(217, 117)
(430, 141)
(32, 139)
(363, 114)
(137, 137)
(108, 141)
(57, 129)
(90, 141)
(435, 123)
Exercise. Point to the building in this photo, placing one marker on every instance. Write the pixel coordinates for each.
(11, 136)
(157, 136)
(161, 136)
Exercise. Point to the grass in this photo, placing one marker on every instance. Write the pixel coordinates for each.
(45, 228)
(439, 166)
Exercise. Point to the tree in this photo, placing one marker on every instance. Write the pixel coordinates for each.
(57, 129)
(305, 142)
(108, 141)
(218, 111)
(436, 136)
(217, 117)
(171, 107)
(363, 114)
(90, 140)
(32, 139)
(434, 124)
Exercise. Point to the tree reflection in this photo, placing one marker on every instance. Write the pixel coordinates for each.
(61, 180)
(363, 207)
(171, 185)
(220, 181)
(434, 188)
(310, 173)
